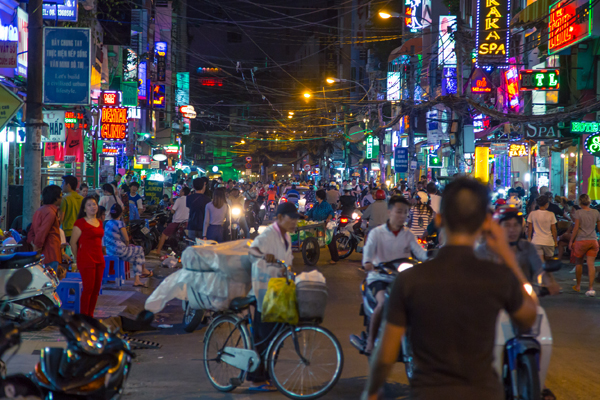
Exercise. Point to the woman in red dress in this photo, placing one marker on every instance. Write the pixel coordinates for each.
(86, 244)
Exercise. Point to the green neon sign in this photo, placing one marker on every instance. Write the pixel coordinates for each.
(592, 144)
(585, 127)
(539, 79)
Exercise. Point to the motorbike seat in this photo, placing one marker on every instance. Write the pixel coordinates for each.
(137, 221)
(18, 260)
(241, 303)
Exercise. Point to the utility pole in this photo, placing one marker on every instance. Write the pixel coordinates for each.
(34, 121)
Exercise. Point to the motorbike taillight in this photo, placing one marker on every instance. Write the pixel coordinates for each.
(343, 220)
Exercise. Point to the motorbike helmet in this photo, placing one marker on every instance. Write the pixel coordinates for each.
(348, 188)
(507, 212)
(380, 195)
(422, 197)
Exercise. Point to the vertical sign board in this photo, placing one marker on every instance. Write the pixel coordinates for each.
(142, 81)
(570, 22)
(418, 14)
(182, 95)
(446, 41)
(160, 56)
(61, 12)
(130, 93)
(56, 126)
(492, 38)
(23, 25)
(401, 159)
(67, 66)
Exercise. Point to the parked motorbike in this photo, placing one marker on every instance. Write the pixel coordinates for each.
(30, 304)
(388, 270)
(141, 234)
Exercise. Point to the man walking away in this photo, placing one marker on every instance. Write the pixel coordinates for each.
(541, 229)
(45, 228)
(70, 205)
(196, 202)
(449, 306)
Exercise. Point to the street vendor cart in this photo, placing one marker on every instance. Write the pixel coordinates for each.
(309, 239)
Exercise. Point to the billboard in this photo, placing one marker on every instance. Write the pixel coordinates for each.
(570, 22)
(446, 41)
(393, 86)
(160, 56)
(492, 38)
(420, 14)
(60, 12)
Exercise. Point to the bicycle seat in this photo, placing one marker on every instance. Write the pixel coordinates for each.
(241, 303)
(18, 260)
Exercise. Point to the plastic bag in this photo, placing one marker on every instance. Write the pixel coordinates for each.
(279, 304)
(312, 276)
(170, 262)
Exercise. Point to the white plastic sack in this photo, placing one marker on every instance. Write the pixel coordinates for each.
(169, 262)
(230, 258)
(173, 286)
(312, 276)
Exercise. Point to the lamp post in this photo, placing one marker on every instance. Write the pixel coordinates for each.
(338, 80)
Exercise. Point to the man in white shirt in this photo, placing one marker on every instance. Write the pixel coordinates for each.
(541, 229)
(273, 244)
(181, 213)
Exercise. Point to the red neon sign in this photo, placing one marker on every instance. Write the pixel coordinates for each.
(481, 85)
(512, 87)
(112, 98)
(114, 123)
(569, 23)
(211, 82)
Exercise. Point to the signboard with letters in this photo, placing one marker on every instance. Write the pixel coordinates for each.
(541, 131)
(160, 56)
(10, 104)
(446, 40)
(585, 127)
(67, 66)
(61, 12)
(56, 126)
(114, 124)
(570, 22)
(592, 144)
(153, 191)
(8, 46)
(539, 79)
(492, 38)
(401, 159)
(518, 150)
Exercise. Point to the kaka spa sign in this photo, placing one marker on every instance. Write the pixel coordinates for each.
(492, 33)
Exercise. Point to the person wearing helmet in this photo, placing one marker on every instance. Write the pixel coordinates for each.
(369, 198)
(421, 215)
(376, 213)
(293, 195)
(348, 201)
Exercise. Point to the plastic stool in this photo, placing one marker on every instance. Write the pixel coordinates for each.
(69, 291)
(76, 276)
(127, 270)
(114, 270)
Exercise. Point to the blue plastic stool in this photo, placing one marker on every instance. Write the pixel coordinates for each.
(76, 276)
(69, 291)
(118, 270)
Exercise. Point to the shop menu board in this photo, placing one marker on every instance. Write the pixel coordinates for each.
(153, 191)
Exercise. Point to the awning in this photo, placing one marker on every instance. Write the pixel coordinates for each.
(532, 12)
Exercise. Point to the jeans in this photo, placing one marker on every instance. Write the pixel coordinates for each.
(244, 227)
(215, 232)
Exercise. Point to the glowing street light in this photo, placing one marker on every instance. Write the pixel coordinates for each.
(307, 95)
(389, 14)
(290, 116)
(243, 141)
(332, 80)
(291, 113)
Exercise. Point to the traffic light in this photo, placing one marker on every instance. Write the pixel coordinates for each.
(434, 161)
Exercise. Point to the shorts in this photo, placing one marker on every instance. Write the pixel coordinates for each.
(171, 229)
(583, 248)
(378, 286)
(544, 251)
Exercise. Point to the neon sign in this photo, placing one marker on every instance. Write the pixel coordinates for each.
(114, 123)
(188, 111)
(417, 14)
(211, 82)
(158, 98)
(539, 79)
(160, 56)
(585, 127)
(592, 144)
(512, 87)
(492, 39)
(142, 81)
(110, 98)
(73, 120)
(481, 85)
(8, 33)
(518, 150)
(570, 22)
(171, 149)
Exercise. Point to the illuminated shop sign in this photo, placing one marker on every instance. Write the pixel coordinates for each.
(481, 85)
(418, 14)
(142, 80)
(112, 148)
(512, 88)
(570, 22)
(481, 123)
(114, 123)
(61, 12)
(8, 33)
(539, 79)
(110, 98)
(74, 120)
(492, 35)
(592, 144)
(585, 127)
(158, 96)
(518, 150)
(171, 149)
(188, 111)
(211, 82)
(446, 41)
(160, 56)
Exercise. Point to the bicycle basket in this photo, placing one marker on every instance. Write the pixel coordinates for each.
(312, 300)
(533, 332)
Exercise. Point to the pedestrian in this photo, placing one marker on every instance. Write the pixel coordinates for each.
(135, 200)
(116, 241)
(83, 190)
(322, 212)
(70, 205)
(181, 213)
(333, 197)
(115, 184)
(86, 245)
(541, 229)
(108, 199)
(454, 280)
(165, 202)
(533, 195)
(196, 203)
(44, 234)
(216, 215)
(421, 215)
(434, 198)
(584, 242)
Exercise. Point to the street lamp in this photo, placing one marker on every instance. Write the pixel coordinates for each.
(337, 80)
(307, 95)
(389, 14)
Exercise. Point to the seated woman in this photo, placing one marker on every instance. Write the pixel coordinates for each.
(117, 244)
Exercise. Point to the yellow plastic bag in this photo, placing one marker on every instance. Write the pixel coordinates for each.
(279, 304)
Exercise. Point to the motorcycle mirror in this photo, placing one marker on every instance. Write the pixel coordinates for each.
(145, 317)
(552, 265)
(18, 282)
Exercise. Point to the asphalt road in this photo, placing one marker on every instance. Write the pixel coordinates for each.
(176, 370)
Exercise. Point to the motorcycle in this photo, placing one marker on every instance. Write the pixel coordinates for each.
(236, 229)
(271, 208)
(141, 234)
(30, 304)
(388, 270)
(252, 218)
(522, 358)
(349, 235)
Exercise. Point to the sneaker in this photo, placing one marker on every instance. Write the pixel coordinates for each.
(590, 293)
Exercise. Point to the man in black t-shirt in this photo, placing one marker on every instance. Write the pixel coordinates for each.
(347, 202)
(197, 202)
(449, 306)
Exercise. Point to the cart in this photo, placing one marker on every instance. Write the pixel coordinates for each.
(309, 239)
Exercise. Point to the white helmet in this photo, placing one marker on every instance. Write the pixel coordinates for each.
(348, 187)
(422, 197)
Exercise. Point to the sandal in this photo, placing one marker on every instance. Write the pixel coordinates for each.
(140, 285)
(147, 275)
(575, 289)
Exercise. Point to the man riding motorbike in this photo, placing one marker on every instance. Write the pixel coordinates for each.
(387, 242)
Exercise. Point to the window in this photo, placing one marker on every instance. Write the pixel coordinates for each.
(234, 37)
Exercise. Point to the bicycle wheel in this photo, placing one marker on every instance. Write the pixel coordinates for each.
(312, 379)
(222, 333)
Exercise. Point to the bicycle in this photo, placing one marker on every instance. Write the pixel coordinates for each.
(303, 361)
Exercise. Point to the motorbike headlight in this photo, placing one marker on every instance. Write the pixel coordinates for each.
(262, 207)
(92, 341)
(235, 211)
(404, 266)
